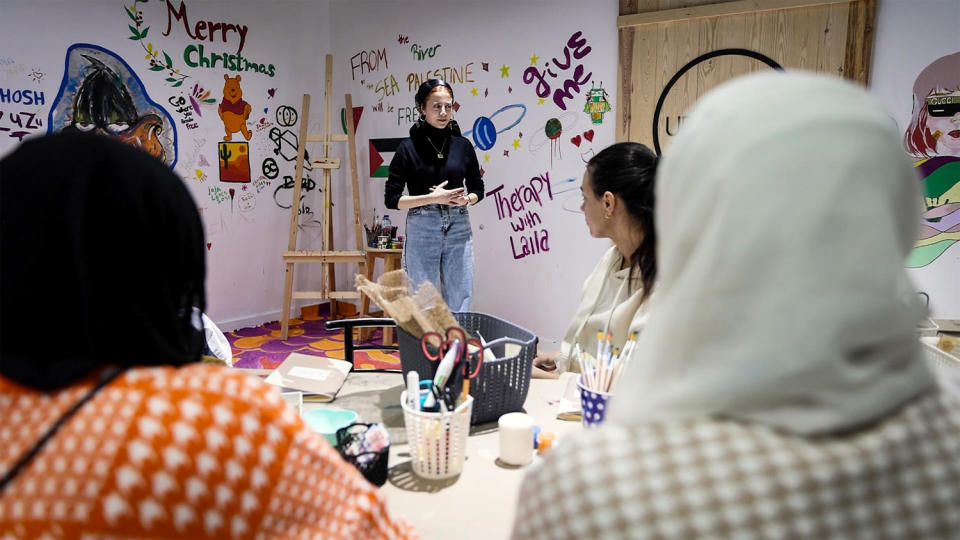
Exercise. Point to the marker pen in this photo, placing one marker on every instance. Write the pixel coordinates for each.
(446, 365)
(413, 390)
(443, 372)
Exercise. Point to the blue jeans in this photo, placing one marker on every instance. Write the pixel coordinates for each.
(439, 248)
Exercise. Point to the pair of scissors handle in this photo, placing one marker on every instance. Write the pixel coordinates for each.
(467, 357)
(455, 333)
(433, 346)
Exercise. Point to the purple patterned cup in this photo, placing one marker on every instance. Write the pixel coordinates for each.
(593, 405)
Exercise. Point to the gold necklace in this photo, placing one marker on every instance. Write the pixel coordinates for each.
(442, 146)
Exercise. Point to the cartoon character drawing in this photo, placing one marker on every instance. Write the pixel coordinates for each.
(100, 94)
(933, 138)
(233, 110)
(597, 103)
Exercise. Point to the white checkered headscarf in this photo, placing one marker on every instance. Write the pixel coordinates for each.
(785, 210)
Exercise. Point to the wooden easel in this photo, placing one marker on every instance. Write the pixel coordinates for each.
(327, 256)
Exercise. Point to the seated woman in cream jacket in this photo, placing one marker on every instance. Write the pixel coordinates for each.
(617, 204)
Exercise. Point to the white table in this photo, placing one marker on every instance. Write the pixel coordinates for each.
(482, 501)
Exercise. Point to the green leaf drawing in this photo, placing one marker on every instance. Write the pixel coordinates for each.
(210, 100)
(176, 79)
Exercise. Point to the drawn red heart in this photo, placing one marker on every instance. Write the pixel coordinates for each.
(576, 140)
(209, 245)
(588, 135)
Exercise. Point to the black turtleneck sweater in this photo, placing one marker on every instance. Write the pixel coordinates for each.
(415, 164)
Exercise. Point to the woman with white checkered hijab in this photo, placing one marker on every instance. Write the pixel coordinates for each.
(778, 389)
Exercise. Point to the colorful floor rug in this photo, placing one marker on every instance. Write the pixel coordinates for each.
(260, 347)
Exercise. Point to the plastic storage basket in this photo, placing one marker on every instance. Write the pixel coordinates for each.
(501, 386)
(437, 440)
(944, 365)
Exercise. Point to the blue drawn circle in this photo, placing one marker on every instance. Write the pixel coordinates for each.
(485, 133)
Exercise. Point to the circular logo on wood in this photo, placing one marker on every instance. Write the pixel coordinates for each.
(703, 58)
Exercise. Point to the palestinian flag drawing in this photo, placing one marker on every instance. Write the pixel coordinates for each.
(380, 164)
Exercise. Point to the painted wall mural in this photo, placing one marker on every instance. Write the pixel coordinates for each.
(531, 93)
(100, 93)
(513, 124)
(576, 48)
(170, 103)
(933, 140)
(20, 108)
(519, 206)
(193, 45)
(212, 88)
(233, 110)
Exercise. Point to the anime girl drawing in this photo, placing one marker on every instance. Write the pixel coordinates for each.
(933, 139)
(101, 94)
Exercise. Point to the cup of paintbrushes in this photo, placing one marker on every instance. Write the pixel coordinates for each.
(371, 236)
(593, 404)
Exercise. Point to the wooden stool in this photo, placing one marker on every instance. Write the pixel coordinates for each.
(391, 261)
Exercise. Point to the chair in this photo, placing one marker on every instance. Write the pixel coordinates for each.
(348, 347)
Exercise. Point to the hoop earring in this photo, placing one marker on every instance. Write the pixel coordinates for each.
(606, 217)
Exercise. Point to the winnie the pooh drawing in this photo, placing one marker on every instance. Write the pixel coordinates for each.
(233, 110)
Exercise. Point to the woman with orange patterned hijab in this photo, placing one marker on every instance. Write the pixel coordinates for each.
(118, 430)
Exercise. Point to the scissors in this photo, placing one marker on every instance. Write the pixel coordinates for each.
(435, 345)
(472, 356)
(442, 401)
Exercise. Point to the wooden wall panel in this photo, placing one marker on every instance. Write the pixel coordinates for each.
(659, 37)
(832, 40)
(644, 81)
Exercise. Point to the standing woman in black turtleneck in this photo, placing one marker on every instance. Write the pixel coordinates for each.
(440, 171)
